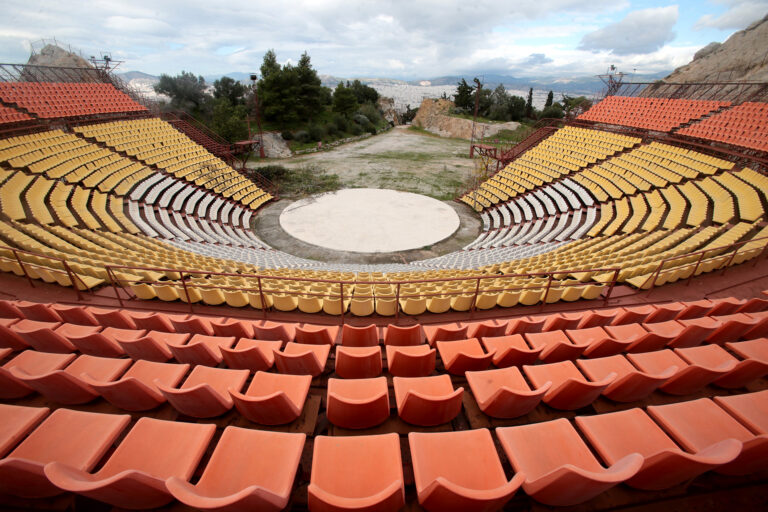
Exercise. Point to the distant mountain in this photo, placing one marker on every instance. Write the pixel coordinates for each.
(131, 75)
(238, 76)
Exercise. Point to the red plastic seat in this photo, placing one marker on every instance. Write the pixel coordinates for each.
(358, 362)
(75, 314)
(504, 393)
(192, 324)
(599, 342)
(250, 354)
(632, 315)
(272, 331)
(460, 471)
(42, 336)
(525, 324)
(206, 391)
(37, 311)
(301, 359)
(152, 321)
(137, 389)
(640, 339)
(317, 334)
(154, 346)
(488, 328)
(89, 340)
(427, 401)
(695, 309)
(665, 312)
(619, 434)
(756, 349)
(559, 468)
(555, 346)
(134, 475)
(445, 332)
(464, 355)
(562, 321)
(597, 318)
(511, 350)
(697, 424)
(201, 349)
(78, 439)
(760, 329)
(272, 398)
(750, 409)
(714, 356)
(726, 306)
(367, 336)
(8, 309)
(414, 361)
(358, 403)
(357, 473)
(16, 422)
(8, 337)
(404, 336)
(630, 384)
(226, 327)
(689, 377)
(66, 386)
(569, 390)
(113, 317)
(32, 363)
(732, 327)
(678, 335)
(248, 470)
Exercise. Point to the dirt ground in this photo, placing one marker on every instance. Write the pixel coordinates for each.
(400, 159)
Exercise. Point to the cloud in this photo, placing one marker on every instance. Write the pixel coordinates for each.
(642, 31)
(739, 15)
(536, 59)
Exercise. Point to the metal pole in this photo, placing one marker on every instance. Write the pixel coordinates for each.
(23, 268)
(72, 278)
(114, 285)
(341, 294)
(263, 303)
(186, 293)
(397, 302)
(701, 257)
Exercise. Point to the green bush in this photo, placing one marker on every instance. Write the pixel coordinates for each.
(316, 132)
(341, 122)
(302, 136)
(355, 129)
(286, 135)
(371, 112)
(272, 172)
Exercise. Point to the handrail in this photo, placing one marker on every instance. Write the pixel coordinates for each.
(73, 277)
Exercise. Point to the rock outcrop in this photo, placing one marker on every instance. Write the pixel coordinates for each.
(387, 108)
(433, 117)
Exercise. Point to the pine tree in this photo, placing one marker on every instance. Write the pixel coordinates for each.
(529, 104)
(550, 99)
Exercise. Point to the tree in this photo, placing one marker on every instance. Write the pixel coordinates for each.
(553, 111)
(344, 101)
(310, 89)
(463, 97)
(550, 99)
(228, 88)
(499, 110)
(516, 108)
(575, 105)
(187, 92)
(529, 104)
(363, 93)
(228, 120)
(269, 65)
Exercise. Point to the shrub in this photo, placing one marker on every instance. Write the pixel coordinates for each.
(286, 135)
(371, 112)
(341, 122)
(272, 172)
(302, 136)
(316, 132)
(331, 129)
(360, 119)
(355, 129)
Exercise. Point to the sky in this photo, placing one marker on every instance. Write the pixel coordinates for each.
(412, 40)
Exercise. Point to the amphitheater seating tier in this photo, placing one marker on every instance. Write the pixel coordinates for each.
(49, 100)
(744, 125)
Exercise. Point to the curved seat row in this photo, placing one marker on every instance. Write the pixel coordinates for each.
(650, 449)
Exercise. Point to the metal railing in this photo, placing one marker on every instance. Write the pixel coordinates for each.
(27, 268)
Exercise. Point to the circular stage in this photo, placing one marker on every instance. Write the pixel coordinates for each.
(369, 220)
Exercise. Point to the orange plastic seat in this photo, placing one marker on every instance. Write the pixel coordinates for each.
(460, 471)
(632, 315)
(427, 401)
(511, 350)
(250, 354)
(266, 330)
(30, 362)
(301, 359)
(272, 398)
(16, 422)
(715, 356)
(8, 337)
(619, 434)
(445, 332)
(732, 327)
(356, 473)
(504, 393)
(597, 318)
(78, 439)
(490, 328)
(154, 346)
(89, 340)
(562, 321)
(599, 342)
(118, 318)
(688, 379)
(206, 391)
(760, 328)
(74, 314)
(201, 349)
(630, 384)
(134, 475)
(137, 389)
(696, 309)
(358, 362)
(358, 403)
(414, 361)
(559, 468)
(317, 334)
(751, 409)
(66, 386)
(555, 346)
(404, 336)
(665, 312)
(695, 331)
(525, 324)
(192, 324)
(152, 321)
(697, 424)
(42, 336)
(226, 327)
(756, 349)
(464, 355)
(9, 309)
(37, 311)
(248, 470)
(367, 336)
(640, 339)
(569, 390)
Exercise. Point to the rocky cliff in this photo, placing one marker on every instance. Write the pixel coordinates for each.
(433, 117)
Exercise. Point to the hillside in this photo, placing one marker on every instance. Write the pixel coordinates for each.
(741, 57)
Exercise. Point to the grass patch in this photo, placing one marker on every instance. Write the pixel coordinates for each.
(409, 156)
(507, 137)
(300, 181)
